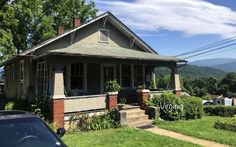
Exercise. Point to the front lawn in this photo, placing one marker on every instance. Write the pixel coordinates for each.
(120, 137)
(201, 128)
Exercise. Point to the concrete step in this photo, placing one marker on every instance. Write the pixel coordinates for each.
(141, 123)
(134, 112)
(137, 118)
(129, 107)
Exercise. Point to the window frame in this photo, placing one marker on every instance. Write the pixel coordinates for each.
(79, 75)
(22, 66)
(121, 76)
(138, 75)
(108, 36)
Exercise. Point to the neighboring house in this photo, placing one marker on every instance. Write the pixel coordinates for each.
(77, 63)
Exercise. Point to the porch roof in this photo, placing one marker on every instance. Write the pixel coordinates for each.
(107, 51)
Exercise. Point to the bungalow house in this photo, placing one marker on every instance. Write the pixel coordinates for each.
(75, 65)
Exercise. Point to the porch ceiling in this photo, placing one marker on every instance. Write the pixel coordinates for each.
(107, 51)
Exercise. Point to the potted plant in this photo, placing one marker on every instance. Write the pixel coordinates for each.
(121, 104)
(112, 88)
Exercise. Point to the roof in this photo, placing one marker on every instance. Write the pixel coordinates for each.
(115, 21)
(106, 51)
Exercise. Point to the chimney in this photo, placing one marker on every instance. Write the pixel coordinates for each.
(60, 30)
(76, 22)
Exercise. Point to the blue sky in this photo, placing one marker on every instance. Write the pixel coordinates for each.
(172, 27)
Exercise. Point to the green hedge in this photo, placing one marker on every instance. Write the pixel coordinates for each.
(229, 125)
(173, 107)
(219, 110)
(193, 108)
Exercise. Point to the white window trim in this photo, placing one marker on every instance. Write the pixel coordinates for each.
(102, 74)
(108, 36)
(84, 76)
(131, 79)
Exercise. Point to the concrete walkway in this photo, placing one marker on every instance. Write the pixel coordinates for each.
(179, 136)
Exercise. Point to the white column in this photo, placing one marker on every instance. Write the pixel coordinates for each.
(58, 85)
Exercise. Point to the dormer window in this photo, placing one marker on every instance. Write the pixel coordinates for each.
(104, 35)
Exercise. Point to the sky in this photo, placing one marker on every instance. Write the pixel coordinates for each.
(172, 27)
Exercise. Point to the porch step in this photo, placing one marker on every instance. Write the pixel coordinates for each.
(140, 124)
(135, 116)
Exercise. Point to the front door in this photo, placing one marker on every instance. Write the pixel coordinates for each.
(108, 73)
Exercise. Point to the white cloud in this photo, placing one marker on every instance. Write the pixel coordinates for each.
(191, 17)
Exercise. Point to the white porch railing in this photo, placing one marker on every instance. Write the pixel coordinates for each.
(84, 103)
(156, 93)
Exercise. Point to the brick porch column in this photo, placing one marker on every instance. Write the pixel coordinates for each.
(143, 97)
(112, 100)
(175, 82)
(57, 99)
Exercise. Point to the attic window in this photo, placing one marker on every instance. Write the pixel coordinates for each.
(104, 35)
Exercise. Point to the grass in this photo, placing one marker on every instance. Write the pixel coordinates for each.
(202, 128)
(120, 138)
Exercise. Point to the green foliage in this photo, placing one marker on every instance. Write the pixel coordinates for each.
(112, 86)
(193, 108)
(25, 23)
(97, 122)
(122, 100)
(173, 107)
(229, 124)
(219, 110)
(9, 106)
(63, 11)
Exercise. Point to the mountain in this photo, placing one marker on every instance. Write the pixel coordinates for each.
(193, 72)
(212, 62)
(225, 64)
(228, 67)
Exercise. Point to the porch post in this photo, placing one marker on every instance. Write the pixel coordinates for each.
(57, 97)
(175, 82)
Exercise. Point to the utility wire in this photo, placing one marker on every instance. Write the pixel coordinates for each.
(215, 49)
(219, 43)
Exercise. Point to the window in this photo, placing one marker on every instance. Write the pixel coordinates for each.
(138, 75)
(126, 76)
(104, 35)
(21, 70)
(77, 73)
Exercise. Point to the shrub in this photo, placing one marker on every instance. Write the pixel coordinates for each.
(9, 106)
(96, 122)
(171, 106)
(229, 125)
(219, 110)
(112, 86)
(193, 108)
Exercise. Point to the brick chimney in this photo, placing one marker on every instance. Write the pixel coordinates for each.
(76, 22)
(60, 30)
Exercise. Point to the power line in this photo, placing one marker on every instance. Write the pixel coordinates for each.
(210, 51)
(219, 43)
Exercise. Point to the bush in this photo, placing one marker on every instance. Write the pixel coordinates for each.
(193, 108)
(96, 122)
(173, 107)
(9, 106)
(229, 125)
(220, 110)
(112, 86)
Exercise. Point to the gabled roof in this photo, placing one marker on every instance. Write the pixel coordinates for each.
(112, 19)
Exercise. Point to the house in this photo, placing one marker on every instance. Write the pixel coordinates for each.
(75, 65)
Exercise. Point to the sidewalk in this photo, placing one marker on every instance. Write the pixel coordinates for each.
(179, 136)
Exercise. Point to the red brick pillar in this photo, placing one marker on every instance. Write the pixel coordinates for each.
(143, 97)
(57, 106)
(57, 99)
(112, 100)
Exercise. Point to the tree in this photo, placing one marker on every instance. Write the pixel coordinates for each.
(7, 21)
(64, 11)
(34, 26)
